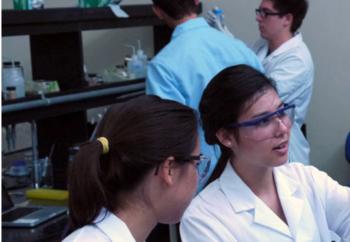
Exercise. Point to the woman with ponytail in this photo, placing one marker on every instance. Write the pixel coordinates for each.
(140, 171)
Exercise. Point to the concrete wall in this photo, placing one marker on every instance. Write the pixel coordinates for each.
(326, 31)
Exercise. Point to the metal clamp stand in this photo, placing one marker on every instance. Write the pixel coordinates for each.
(173, 233)
(36, 164)
(11, 136)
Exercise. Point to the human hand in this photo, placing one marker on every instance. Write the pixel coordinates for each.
(215, 19)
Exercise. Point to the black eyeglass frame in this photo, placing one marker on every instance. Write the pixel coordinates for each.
(264, 14)
(190, 158)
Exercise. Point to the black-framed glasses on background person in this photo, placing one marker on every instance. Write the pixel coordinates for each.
(264, 126)
(261, 12)
(202, 165)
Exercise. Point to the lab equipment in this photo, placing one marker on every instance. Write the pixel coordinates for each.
(13, 76)
(93, 3)
(28, 4)
(37, 4)
(219, 14)
(18, 168)
(141, 55)
(215, 18)
(137, 64)
(22, 4)
(10, 92)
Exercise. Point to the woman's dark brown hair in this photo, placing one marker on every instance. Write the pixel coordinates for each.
(142, 133)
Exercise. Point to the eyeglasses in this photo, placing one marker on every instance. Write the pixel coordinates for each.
(202, 165)
(263, 127)
(265, 13)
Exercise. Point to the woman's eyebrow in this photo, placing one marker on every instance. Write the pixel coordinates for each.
(258, 115)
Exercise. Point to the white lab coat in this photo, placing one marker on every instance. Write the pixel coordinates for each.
(107, 228)
(227, 210)
(291, 66)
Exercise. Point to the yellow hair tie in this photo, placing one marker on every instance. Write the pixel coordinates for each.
(105, 144)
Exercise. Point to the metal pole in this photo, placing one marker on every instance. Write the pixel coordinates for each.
(36, 164)
(173, 233)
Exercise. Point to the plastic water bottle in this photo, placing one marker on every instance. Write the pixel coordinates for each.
(13, 77)
(142, 57)
(134, 65)
(219, 13)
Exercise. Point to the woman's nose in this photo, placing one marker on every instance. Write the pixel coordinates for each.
(282, 124)
(282, 127)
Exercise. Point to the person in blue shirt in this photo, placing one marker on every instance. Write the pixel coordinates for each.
(194, 55)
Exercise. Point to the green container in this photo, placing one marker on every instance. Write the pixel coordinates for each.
(22, 4)
(93, 3)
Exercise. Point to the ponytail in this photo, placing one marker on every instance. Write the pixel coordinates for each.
(86, 193)
(220, 166)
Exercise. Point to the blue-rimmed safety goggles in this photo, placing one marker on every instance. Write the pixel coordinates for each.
(263, 127)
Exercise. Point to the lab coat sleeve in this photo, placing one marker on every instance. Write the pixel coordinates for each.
(193, 229)
(291, 77)
(336, 203)
(161, 82)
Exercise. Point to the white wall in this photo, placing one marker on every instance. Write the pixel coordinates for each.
(326, 31)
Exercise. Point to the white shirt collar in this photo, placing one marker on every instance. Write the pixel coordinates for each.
(289, 44)
(238, 193)
(242, 198)
(113, 227)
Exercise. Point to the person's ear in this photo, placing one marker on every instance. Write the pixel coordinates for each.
(226, 138)
(288, 20)
(166, 170)
(157, 11)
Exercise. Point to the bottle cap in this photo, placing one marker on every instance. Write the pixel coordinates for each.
(218, 10)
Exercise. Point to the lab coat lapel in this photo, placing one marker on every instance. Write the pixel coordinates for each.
(286, 46)
(113, 227)
(292, 200)
(264, 216)
(242, 199)
(240, 196)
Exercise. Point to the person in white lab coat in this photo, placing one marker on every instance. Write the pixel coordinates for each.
(286, 59)
(140, 171)
(257, 195)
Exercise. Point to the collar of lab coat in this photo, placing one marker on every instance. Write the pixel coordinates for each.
(289, 44)
(189, 25)
(243, 199)
(113, 227)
